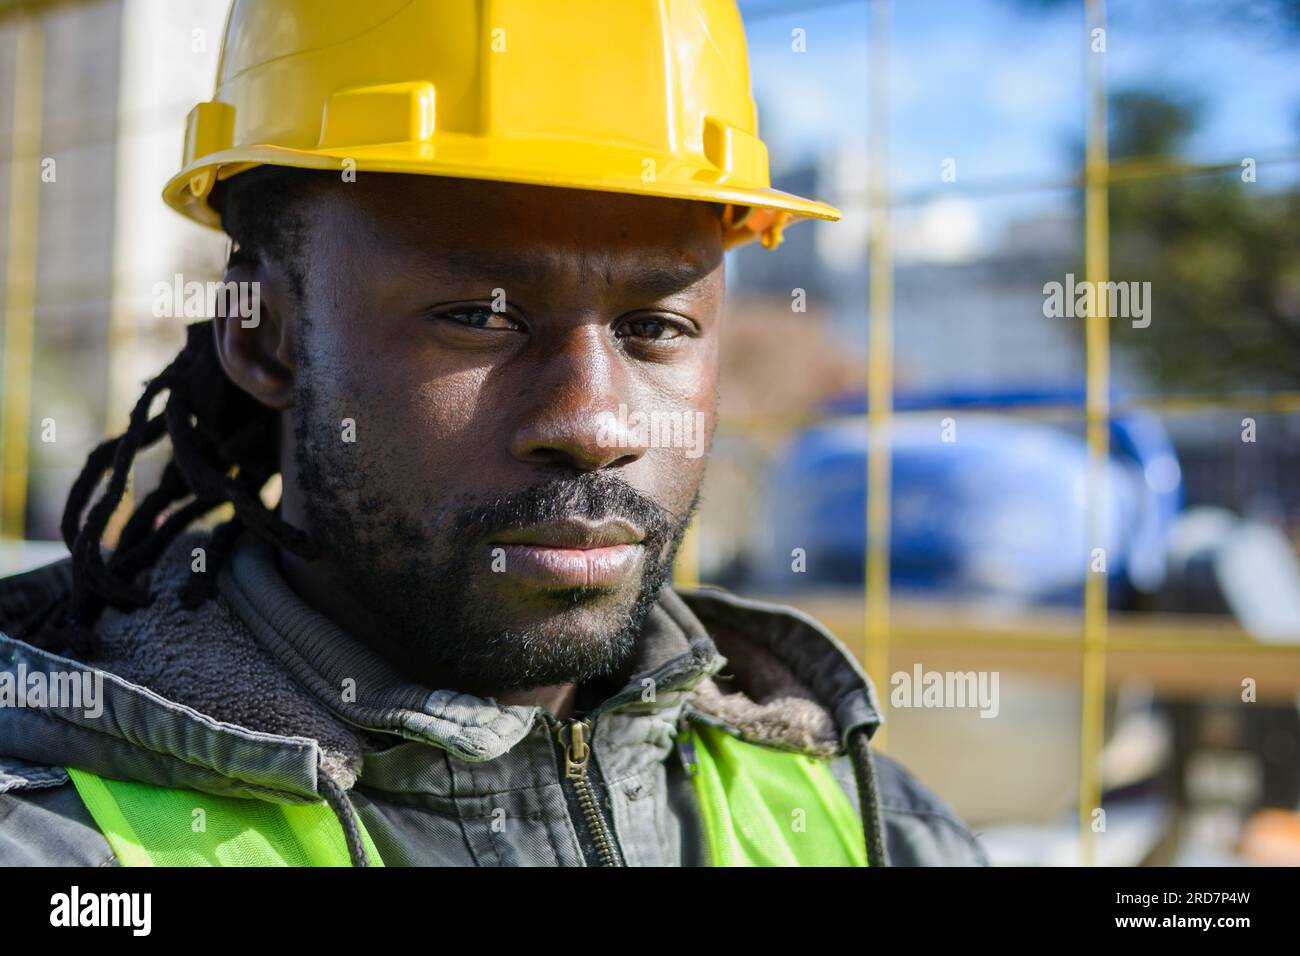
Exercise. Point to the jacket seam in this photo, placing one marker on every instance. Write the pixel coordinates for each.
(26, 784)
(922, 812)
(455, 807)
(256, 788)
(478, 818)
(280, 742)
(962, 830)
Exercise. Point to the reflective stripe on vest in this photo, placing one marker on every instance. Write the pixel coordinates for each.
(148, 825)
(759, 807)
(766, 807)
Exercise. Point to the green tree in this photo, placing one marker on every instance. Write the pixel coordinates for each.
(1222, 255)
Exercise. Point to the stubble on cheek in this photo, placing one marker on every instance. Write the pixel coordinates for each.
(388, 509)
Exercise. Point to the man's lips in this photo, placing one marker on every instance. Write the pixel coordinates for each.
(570, 553)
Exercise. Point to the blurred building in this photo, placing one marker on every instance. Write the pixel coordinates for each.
(116, 80)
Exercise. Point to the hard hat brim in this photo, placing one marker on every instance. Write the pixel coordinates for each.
(562, 164)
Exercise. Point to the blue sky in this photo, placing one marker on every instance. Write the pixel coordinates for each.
(1000, 88)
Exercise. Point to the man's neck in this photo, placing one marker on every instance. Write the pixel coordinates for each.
(558, 700)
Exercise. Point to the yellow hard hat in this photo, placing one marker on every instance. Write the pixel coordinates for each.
(649, 97)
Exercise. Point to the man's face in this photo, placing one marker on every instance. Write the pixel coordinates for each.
(504, 394)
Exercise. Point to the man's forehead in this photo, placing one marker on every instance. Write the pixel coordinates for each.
(656, 271)
(515, 237)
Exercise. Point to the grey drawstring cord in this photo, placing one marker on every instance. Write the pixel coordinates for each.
(864, 773)
(338, 800)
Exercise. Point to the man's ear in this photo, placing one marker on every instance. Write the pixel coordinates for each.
(255, 340)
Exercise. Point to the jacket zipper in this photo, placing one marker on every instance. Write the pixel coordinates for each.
(574, 737)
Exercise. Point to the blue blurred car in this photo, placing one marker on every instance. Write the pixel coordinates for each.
(999, 510)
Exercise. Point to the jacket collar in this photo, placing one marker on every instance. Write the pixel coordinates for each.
(674, 654)
(248, 695)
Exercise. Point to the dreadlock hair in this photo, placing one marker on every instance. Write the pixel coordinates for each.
(225, 446)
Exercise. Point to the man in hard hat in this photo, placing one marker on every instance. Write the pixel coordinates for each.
(477, 232)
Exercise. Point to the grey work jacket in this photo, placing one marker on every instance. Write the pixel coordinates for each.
(254, 694)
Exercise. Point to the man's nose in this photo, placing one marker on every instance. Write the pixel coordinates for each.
(578, 409)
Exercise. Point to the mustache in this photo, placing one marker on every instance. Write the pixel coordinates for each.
(592, 496)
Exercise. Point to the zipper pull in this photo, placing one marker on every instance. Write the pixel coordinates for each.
(577, 752)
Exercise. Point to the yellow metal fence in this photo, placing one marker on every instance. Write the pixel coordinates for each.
(1093, 645)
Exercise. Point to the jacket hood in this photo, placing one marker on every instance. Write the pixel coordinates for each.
(255, 694)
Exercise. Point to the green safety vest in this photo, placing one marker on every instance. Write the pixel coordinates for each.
(759, 807)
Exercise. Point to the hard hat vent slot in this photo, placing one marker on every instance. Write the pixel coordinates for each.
(209, 128)
(733, 151)
(393, 113)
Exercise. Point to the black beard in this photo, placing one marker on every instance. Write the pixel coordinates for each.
(424, 587)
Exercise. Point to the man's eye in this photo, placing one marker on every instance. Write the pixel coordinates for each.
(658, 330)
(479, 317)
